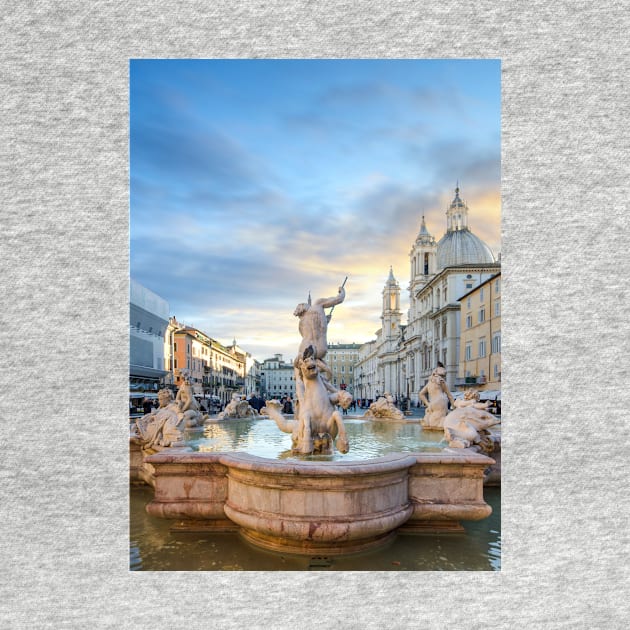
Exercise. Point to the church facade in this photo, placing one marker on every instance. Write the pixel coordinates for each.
(402, 357)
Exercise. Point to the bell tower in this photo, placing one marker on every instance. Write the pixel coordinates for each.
(423, 258)
(391, 307)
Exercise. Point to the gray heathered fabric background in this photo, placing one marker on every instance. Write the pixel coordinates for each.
(64, 241)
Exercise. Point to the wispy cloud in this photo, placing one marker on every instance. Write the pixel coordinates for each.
(238, 211)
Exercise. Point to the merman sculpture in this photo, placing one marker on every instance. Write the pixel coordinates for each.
(316, 423)
(437, 403)
(469, 422)
(188, 405)
(163, 427)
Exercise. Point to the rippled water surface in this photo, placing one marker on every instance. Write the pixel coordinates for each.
(367, 439)
(155, 548)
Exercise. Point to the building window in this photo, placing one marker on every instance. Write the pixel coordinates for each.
(497, 286)
(481, 294)
(175, 347)
(497, 308)
(496, 343)
(482, 315)
(482, 348)
(426, 264)
(496, 370)
(468, 321)
(469, 286)
(468, 301)
(468, 352)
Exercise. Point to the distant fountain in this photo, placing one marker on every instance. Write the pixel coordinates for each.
(385, 409)
(237, 408)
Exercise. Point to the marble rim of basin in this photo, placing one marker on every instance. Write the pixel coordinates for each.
(313, 507)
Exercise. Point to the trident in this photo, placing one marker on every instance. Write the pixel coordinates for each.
(333, 308)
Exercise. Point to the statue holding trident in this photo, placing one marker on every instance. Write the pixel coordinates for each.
(314, 322)
(317, 423)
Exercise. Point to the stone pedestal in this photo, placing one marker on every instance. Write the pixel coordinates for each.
(446, 488)
(189, 486)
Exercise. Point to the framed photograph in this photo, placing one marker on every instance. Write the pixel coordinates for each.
(315, 314)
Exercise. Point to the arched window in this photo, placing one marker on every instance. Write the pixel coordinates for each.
(426, 264)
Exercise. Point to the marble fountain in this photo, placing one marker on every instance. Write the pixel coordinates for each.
(313, 498)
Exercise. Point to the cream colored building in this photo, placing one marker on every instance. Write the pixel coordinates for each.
(342, 359)
(277, 378)
(480, 345)
(366, 371)
(440, 273)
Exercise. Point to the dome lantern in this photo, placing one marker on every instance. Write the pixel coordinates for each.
(459, 245)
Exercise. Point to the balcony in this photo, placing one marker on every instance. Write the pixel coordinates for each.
(470, 380)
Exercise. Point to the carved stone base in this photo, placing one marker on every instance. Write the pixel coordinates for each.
(216, 526)
(309, 547)
(431, 527)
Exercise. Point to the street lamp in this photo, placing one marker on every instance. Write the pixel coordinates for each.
(361, 386)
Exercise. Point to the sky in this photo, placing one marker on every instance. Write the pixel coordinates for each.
(255, 182)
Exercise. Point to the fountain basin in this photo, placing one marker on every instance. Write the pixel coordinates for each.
(311, 507)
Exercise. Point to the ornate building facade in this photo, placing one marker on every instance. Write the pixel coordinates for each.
(403, 356)
(342, 358)
(214, 369)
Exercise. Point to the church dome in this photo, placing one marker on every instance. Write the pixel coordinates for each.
(459, 246)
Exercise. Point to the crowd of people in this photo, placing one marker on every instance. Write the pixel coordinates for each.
(257, 402)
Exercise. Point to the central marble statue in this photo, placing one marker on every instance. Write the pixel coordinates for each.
(317, 422)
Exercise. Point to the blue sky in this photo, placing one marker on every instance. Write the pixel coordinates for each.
(255, 181)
